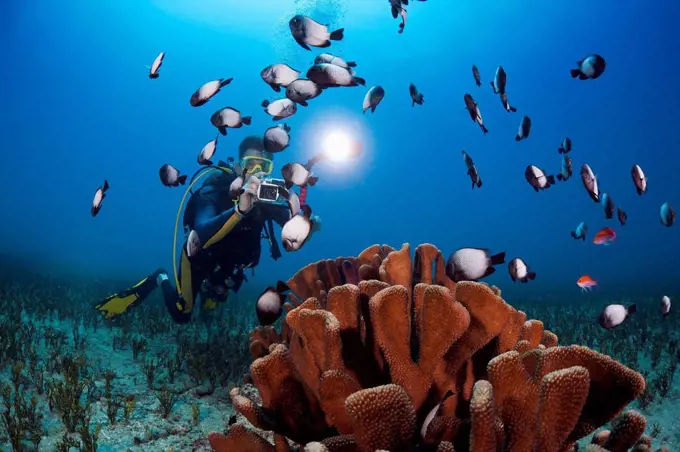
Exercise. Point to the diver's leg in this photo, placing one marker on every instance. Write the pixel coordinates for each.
(180, 301)
(120, 302)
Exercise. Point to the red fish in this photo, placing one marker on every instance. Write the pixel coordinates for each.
(605, 237)
(586, 283)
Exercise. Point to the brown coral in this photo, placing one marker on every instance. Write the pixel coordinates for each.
(377, 342)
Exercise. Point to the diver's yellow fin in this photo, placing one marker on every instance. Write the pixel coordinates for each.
(116, 304)
(120, 302)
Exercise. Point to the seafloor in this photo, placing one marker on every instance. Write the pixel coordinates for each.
(168, 385)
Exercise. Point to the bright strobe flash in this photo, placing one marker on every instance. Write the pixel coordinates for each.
(339, 146)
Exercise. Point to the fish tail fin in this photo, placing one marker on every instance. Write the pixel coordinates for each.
(351, 64)
(247, 120)
(639, 192)
(512, 109)
(225, 81)
(531, 275)
(286, 127)
(282, 287)
(313, 180)
(306, 210)
(222, 129)
(106, 186)
(479, 183)
(632, 309)
(359, 81)
(484, 129)
(209, 162)
(338, 34)
(182, 179)
(551, 180)
(413, 103)
(560, 177)
(517, 137)
(497, 259)
(575, 73)
(560, 150)
(583, 238)
(573, 235)
(265, 103)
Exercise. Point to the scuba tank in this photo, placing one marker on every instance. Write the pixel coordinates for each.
(215, 181)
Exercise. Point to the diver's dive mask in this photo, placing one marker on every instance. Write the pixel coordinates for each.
(254, 165)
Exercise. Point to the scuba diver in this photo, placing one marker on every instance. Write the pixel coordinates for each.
(229, 233)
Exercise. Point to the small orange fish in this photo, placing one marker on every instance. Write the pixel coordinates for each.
(605, 237)
(586, 283)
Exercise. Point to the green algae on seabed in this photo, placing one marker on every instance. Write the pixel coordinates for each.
(40, 323)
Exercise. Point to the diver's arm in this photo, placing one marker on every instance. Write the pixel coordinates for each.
(211, 226)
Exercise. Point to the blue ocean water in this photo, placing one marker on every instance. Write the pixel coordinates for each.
(78, 108)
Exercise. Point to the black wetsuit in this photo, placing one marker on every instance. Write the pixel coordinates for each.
(208, 213)
(230, 242)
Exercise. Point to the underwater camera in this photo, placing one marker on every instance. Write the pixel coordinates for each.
(270, 191)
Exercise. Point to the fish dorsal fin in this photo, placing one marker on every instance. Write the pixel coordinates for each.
(282, 287)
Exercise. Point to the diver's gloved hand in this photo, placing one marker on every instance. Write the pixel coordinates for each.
(248, 195)
(161, 275)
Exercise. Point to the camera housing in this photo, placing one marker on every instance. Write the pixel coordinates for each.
(270, 190)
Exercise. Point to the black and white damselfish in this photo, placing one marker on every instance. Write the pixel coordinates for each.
(308, 32)
(99, 196)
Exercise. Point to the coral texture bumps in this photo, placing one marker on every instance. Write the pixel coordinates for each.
(384, 352)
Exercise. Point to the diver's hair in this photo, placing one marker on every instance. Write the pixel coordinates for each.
(251, 143)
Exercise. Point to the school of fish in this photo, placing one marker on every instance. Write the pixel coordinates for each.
(332, 71)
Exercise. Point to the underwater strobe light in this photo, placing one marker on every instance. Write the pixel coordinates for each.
(339, 146)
